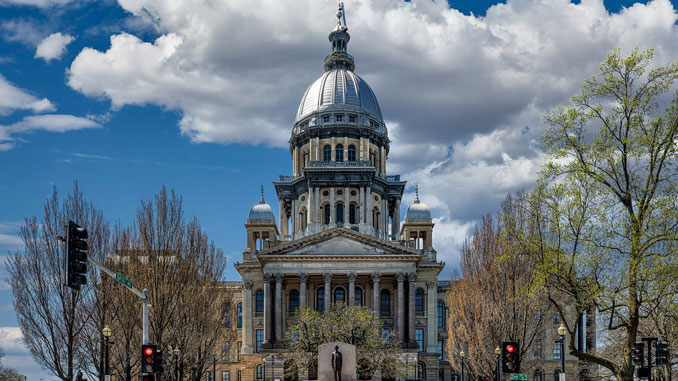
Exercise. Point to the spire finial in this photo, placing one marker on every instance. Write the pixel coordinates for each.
(341, 15)
(416, 193)
(262, 195)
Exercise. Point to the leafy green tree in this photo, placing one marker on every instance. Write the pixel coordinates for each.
(606, 203)
(348, 324)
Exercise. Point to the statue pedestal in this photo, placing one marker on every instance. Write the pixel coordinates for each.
(348, 369)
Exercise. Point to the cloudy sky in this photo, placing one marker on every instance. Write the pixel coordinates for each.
(200, 96)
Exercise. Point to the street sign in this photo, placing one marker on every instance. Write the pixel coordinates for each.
(123, 280)
(518, 376)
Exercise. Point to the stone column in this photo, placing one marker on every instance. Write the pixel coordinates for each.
(317, 205)
(368, 206)
(333, 210)
(351, 288)
(247, 317)
(361, 203)
(278, 308)
(347, 204)
(412, 277)
(309, 207)
(396, 218)
(282, 218)
(303, 278)
(432, 322)
(267, 309)
(328, 291)
(400, 278)
(293, 219)
(376, 295)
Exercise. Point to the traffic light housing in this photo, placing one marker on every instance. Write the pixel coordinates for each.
(158, 362)
(662, 353)
(147, 377)
(510, 357)
(148, 353)
(76, 256)
(638, 354)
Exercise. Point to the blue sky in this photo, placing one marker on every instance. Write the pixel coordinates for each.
(128, 96)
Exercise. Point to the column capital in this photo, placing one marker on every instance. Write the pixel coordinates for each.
(327, 277)
(279, 277)
(303, 277)
(247, 285)
(351, 277)
(268, 277)
(376, 277)
(412, 277)
(400, 277)
(430, 284)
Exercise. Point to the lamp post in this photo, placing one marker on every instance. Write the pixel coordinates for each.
(107, 333)
(562, 331)
(176, 363)
(497, 351)
(461, 354)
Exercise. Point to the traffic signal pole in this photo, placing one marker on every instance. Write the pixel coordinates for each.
(143, 295)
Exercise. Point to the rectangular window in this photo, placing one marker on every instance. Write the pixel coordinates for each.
(260, 339)
(209, 376)
(385, 332)
(537, 349)
(556, 350)
(420, 338)
(326, 118)
(226, 352)
(239, 349)
(440, 349)
(339, 117)
(225, 375)
(239, 376)
(351, 118)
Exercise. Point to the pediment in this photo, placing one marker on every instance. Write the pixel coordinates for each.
(340, 242)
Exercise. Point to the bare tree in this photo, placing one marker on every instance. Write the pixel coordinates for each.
(491, 302)
(50, 314)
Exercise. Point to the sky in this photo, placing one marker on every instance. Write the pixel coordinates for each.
(128, 96)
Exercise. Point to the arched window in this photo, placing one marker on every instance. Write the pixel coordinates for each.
(339, 153)
(320, 298)
(340, 213)
(351, 153)
(327, 153)
(375, 218)
(421, 371)
(556, 375)
(358, 296)
(339, 295)
(441, 314)
(239, 311)
(385, 302)
(538, 375)
(351, 214)
(260, 300)
(294, 301)
(259, 373)
(419, 300)
(326, 214)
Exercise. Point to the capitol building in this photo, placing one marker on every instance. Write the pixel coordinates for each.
(339, 237)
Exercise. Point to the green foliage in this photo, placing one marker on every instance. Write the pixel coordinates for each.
(606, 202)
(348, 324)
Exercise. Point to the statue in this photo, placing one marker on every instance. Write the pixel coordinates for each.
(336, 363)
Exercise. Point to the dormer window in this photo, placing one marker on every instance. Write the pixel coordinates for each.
(374, 124)
(339, 117)
(351, 118)
(326, 118)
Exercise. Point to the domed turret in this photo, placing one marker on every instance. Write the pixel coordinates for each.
(418, 210)
(261, 212)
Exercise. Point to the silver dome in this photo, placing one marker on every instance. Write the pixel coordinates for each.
(418, 211)
(339, 89)
(261, 212)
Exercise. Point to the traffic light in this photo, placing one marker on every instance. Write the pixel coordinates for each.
(147, 377)
(510, 357)
(662, 353)
(76, 256)
(638, 354)
(148, 352)
(158, 362)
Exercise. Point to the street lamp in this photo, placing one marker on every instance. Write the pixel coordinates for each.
(497, 351)
(107, 333)
(562, 331)
(176, 363)
(461, 354)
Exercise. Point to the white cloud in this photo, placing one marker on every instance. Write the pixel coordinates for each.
(53, 46)
(48, 122)
(10, 340)
(21, 30)
(13, 98)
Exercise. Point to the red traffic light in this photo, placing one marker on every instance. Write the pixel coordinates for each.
(510, 349)
(148, 351)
